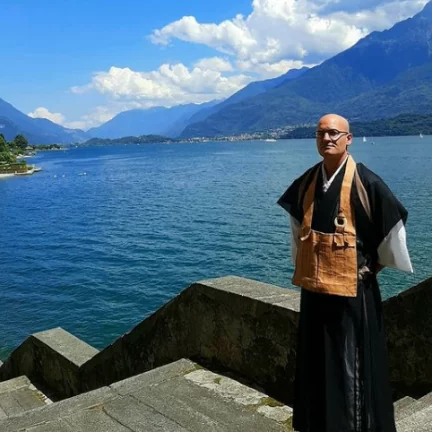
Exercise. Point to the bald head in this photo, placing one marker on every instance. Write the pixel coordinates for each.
(333, 137)
(334, 121)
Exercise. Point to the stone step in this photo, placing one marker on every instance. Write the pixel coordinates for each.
(419, 421)
(409, 410)
(14, 384)
(407, 406)
(179, 397)
(18, 396)
(401, 406)
(427, 398)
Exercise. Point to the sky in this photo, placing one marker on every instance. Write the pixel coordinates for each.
(79, 63)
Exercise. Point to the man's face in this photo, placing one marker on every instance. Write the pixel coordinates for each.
(333, 136)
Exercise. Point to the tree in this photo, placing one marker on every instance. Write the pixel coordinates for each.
(3, 144)
(21, 142)
(7, 157)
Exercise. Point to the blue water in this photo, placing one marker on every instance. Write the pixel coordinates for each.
(97, 253)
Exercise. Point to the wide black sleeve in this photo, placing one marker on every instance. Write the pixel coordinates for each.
(386, 210)
(292, 199)
(389, 218)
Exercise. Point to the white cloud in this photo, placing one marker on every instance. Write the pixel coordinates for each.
(276, 36)
(351, 6)
(42, 112)
(81, 89)
(215, 64)
(270, 70)
(291, 30)
(382, 17)
(229, 36)
(99, 115)
(170, 84)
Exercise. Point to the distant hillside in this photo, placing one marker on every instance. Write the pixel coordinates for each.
(405, 124)
(157, 121)
(402, 125)
(175, 129)
(385, 73)
(143, 139)
(251, 90)
(10, 130)
(36, 130)
(410, 92)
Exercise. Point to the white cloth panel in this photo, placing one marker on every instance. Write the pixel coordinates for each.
(393, 250)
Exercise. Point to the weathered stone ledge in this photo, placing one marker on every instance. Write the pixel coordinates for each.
(231, 324)
(54, 358)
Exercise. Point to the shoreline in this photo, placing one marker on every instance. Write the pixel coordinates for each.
(31, 169)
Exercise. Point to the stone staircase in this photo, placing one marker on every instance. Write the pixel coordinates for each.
(146, 381)
(18, 396)
(179, 397)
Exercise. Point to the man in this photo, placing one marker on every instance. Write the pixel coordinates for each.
(346, 226)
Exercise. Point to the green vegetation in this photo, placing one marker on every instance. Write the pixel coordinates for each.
(9, 152)
(402, 125)
(143, 139)
(6, 155)
(47, 147)
(11, 168)
(20, 143)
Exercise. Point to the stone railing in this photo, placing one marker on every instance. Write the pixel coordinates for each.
(232, 324)
(53, 358)
(235, 325)
(408, 324)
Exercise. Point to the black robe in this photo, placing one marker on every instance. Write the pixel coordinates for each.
(342, 379)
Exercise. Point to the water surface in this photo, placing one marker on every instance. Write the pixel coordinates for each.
(105, 235)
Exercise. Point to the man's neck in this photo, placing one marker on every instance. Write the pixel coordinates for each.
(332, 164)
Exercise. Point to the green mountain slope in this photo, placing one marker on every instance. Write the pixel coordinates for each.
(386, 72)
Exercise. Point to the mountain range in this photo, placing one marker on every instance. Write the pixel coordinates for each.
(36, 130)
(171, 122)
(157, 121)
(383, 75)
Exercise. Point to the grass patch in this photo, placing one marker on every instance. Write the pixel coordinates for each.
(270, 402)
(195, 368)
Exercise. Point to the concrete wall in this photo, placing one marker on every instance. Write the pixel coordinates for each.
(249, 328)
(230, 323)
(235, 325)
(408, 323)
(53, 358)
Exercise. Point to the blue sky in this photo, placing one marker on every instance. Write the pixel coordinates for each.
(81, 62)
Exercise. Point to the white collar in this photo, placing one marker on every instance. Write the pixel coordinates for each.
(326, 182)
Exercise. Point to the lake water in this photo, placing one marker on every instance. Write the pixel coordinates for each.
(97, 253)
